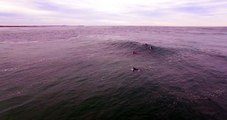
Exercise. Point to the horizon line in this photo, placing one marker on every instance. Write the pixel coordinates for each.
(104, 26)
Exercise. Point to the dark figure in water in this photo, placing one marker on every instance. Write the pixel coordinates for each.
(135, 69)
(134, 52)
(149, 46)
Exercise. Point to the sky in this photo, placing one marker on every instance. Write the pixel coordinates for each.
(114, 12)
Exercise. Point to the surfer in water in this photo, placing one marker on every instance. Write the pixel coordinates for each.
(135, 69)
(134, 52)
(149, 46)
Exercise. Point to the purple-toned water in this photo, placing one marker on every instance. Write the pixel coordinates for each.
(78, 73)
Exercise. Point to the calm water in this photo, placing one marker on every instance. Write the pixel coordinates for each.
(84, 73)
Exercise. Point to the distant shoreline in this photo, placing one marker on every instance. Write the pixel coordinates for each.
(1, 26)
(33, 25)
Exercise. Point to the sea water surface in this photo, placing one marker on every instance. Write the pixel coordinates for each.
(84, 73)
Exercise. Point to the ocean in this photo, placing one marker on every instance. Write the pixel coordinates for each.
(113, 73)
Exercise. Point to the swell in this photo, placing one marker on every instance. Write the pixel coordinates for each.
(198, 74)
(139, 48)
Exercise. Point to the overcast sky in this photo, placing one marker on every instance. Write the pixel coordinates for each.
(114, 12)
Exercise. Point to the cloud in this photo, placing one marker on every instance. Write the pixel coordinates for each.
(114, 12)
(193, 9)
(202, 8)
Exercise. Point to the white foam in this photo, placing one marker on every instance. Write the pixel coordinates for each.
(8, 69)
(21, 42)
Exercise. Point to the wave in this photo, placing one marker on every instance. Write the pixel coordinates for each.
(140, 48)
(21, 42)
